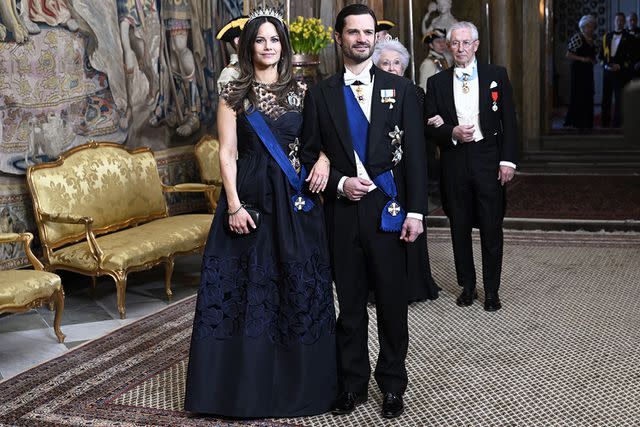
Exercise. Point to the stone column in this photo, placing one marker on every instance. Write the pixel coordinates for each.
(502, 29)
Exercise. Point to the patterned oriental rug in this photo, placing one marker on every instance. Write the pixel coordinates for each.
(581, 197)
(563, 351)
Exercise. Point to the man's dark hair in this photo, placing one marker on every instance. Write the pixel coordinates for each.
(620, 14)
(352, 9)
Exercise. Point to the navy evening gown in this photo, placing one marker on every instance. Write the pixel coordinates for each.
(263, 342)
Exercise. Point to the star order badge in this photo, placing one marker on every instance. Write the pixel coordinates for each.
(396, 144)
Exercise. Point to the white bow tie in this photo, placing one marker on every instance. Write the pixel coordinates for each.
(364, 77)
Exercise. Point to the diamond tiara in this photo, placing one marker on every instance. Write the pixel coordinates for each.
(259, 13)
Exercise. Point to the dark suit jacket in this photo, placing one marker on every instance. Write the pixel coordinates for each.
(499, 125)
(326, 128)
(624, 53)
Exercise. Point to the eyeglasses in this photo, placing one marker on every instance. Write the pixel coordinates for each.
(465, 43)
(387, 63)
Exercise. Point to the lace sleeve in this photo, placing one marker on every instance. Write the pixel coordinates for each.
(227, 90)
(575, 43)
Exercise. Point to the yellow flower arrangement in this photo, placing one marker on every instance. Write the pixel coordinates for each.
(309, 35)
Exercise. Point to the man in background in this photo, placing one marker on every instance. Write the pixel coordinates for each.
(616, 56)
(230, 33)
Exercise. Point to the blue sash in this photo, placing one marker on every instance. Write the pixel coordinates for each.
(392, 214)
(300, 201)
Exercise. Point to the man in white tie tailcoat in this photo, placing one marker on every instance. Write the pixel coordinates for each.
(478, 157)
(368, 122)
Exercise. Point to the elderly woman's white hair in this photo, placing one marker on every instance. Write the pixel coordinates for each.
(463, 25)
(392, 45)
(586, 19)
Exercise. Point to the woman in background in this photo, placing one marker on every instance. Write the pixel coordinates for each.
(581, 50)
(391, 56)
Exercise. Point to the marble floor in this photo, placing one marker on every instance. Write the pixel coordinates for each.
(27, 339)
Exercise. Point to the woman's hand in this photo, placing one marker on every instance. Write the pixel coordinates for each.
(319, 175)
(240, 221)
(435, 121)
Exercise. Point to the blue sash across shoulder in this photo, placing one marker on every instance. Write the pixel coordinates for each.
(393, 215)
(299, 201)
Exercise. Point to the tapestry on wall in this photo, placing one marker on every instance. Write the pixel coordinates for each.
(16, 216)
(63, 85)
(51, 100)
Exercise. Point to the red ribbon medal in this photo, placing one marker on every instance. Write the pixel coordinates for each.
(494, 96)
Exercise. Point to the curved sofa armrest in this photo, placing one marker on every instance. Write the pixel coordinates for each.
(10, 237)
(96, 252)
(26, 238)
(66, 218)
(189, 187)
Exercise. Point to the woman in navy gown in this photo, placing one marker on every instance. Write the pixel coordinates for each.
(263, 335)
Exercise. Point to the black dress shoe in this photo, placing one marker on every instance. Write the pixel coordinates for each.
(392, 405)
(492, 303)
(466, 297)
(347, 402)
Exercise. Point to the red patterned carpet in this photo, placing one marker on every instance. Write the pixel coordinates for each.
(580, 197)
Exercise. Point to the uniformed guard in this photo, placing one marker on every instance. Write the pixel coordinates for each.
(230, 33)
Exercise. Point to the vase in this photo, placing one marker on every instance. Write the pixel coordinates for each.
(305, 68)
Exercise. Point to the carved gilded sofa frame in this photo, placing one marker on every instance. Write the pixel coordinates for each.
(22, 290)
(78, 236)
(207, 152)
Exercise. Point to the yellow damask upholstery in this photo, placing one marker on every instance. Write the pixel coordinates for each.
(139, 245)
(208, 154)
(110, 185)
(101, 210)
(20, 287)
(22, 290)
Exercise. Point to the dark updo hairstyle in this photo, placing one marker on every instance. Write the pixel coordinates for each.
(241, 89)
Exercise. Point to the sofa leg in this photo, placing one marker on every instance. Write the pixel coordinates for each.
(168, 272)
(58, 299)
(121, 287)
(94, 282)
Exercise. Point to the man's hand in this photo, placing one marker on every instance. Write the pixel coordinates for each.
(505, 174)
(411, 229)
(354, 188)
(463, 133)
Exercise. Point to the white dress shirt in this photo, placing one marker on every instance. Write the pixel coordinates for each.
(615, 42)
(468, 104)
(366, 91)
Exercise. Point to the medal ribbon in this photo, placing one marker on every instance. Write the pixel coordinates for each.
(359, 127)
(300, 201)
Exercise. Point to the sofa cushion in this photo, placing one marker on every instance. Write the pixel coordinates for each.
(139, 245)
(20, 287)
(108, 183)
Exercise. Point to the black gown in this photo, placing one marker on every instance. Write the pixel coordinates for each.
(580, 113)
(263, 342)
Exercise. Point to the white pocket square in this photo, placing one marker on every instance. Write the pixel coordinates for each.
(493, 84)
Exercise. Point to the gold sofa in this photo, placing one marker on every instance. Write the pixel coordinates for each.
(101, 210)
(207, 153)
(22, 290)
